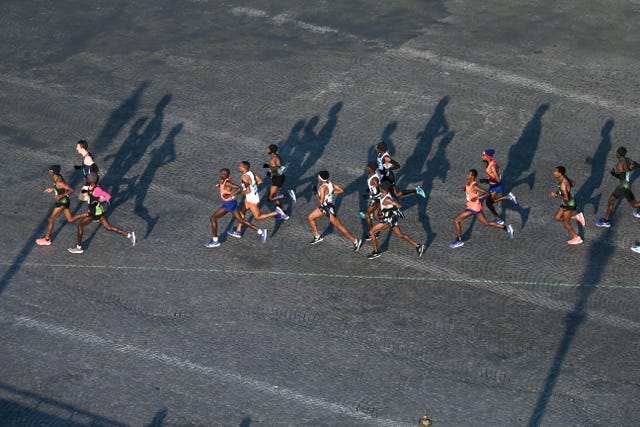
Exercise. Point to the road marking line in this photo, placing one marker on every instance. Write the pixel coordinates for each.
(187, 365)
(466, 280)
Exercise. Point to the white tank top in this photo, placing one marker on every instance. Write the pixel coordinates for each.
(328, 198)
(252, 196)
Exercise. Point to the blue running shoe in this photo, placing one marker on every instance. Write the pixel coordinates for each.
(420, 192)
(509, 230)
(281, 214)
(456, 244)
(212, 244)
(499, 221)
(234, 233)
(636, 213)
(603, 223)
(263, 235)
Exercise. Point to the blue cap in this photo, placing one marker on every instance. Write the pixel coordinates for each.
(489, 152)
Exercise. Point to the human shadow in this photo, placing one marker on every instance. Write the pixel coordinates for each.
(158, 418)
(305, 146)
(114, 124)
(520, 159)
(160, 156)
(21, 408)
(425, 171)
(600, 253)
(302, 149)
(584, 196)
(116, 180)
(246, 422)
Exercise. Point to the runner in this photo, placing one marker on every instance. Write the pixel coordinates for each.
(250, 183)
(386, 166)
(474, 207)
(622, 172)
(495, 185)
(61, 192)
(96, 213)
(388, 217)
(324, 194)
(276, 173)
(88, 165)
(372, 196)
(228, 191)
(568, 206)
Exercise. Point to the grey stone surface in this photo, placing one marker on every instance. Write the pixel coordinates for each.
(169, 333)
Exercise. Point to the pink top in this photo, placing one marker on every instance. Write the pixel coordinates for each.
(102, 195)
(475, 205)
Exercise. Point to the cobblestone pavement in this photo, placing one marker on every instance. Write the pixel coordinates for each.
(500, 332)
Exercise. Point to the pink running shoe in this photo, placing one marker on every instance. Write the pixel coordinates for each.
(580, 219)
(43, 242)
(575, 241)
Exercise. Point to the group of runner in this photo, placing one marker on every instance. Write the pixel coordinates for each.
(383, 211)
(90, 193)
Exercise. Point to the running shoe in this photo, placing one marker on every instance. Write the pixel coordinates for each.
(357, 244)
(420, 250)
(512, 197)
(362, 215)
(580, 219)
(316, 239)
(401, 214)
(281, 213)
(210, 244)
(132, 236)
(234, 233)
(636, 249)
(509, 230)
(263, 235)
(76, 249)
(43, 242)
(603, 223)
(292, 194)
(373, 255)
(499, 221)
(456, 244)
(575, 241)
(636, 213)
(420, 192)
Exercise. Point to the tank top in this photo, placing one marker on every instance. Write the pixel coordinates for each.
(58, 191)
(328, 198)
(86, 169)
(225, 194)
(252, 196)
(471, 193)
(492, 179)
(373, 189)
(570, 200)
(380, 159)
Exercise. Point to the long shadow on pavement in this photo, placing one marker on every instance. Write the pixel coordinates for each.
(599, 254)
(117, 120)
(520, 159)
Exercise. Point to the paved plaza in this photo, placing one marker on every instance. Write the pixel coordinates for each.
(499, 332)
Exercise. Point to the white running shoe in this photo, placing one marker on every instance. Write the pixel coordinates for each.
(512, 197)
(76, 249)
(132, 236)
(292, 194)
